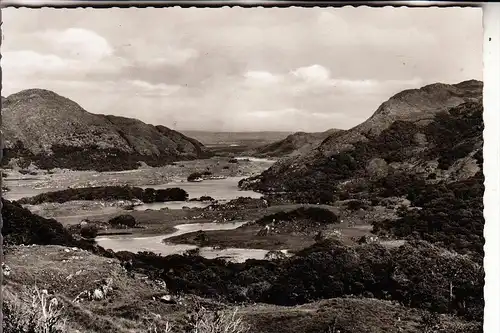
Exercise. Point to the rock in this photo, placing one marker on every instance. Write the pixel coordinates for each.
(6, 270)
(98, 295)
(161, 284)
(167, 299)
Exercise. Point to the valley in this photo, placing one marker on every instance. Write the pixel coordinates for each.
(363, 226)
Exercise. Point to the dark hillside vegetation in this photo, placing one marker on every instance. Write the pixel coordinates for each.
(21, 227)
(451, 136)
(449, 215)
(313, 214)
(108, 193)
(417, 275)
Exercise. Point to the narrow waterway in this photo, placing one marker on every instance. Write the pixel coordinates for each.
(159, 244)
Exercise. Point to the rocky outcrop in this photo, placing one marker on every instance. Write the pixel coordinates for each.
(51, 131)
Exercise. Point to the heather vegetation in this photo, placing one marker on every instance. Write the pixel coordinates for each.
(21, 227)
(90, 157)
(312, 214)
(450, 215)
(109, 193)
(416, 275)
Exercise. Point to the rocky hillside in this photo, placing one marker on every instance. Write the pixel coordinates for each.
(49, 130)
(295, 144)
(434, 133)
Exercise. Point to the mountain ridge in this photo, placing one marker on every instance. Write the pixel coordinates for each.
(294, 144)
(413, 118)
(40, 126)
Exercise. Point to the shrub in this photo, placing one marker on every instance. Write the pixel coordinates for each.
(127, 221)
(201, 320)
(39, 315)
(20, 226)
(194, 175)
(89, 231)
(449, 214)
(315, 214)
(356, 205)
(171, 194)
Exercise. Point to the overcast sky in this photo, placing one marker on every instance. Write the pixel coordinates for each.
(239, 69)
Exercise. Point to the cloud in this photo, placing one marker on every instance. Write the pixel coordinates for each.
(314, 73)
(29, 62)
(305, 69)
(261, 77)
(77, 43)
(173, 56)
(148, 89)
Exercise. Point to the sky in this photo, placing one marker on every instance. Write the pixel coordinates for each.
(239, 69)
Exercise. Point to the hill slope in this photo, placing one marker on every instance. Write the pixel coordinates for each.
(435, 130)
(294, 144)
(43, 127)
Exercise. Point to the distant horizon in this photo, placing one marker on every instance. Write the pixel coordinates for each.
(239, 69)
(291, 131)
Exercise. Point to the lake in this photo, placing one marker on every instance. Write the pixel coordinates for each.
(157, 245)
(219, 189)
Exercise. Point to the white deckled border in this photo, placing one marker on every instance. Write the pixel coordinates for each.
(491, 153)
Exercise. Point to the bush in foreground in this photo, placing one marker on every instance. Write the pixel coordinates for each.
(201, 320)
(41, 315)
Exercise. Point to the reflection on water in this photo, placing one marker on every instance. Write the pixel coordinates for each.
(155, 243)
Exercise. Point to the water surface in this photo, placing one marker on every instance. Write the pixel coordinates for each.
(157, 245)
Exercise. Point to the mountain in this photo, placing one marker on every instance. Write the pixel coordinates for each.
(294, 144)
(236, 138)
(434, 131)
(51, 131)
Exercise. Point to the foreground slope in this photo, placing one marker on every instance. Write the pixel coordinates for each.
(133, 303)
(433, 130)
(50, 130)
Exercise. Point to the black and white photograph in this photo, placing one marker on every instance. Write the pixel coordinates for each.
(242, 170)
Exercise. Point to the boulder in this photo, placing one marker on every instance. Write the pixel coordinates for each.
(98, 295)
(167, 299)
